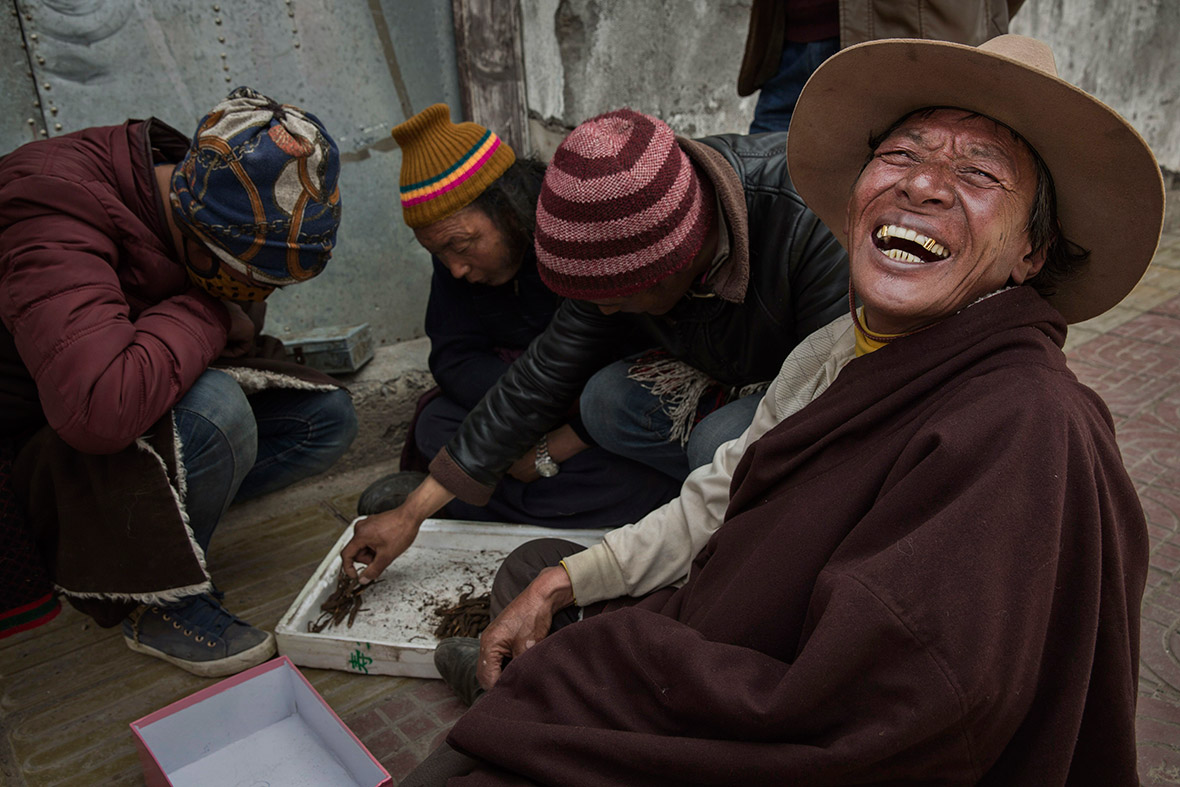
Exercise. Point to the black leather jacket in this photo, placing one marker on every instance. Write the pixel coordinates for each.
(798, 282)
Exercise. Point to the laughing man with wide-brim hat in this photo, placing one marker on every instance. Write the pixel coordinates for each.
(924, 561)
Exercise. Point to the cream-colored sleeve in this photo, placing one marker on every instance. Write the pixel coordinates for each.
(658, 550)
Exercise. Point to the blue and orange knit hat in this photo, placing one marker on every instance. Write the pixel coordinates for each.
(259, 188)
(445, 165)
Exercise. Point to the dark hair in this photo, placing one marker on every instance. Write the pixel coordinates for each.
(1063, 257)
(511, 202)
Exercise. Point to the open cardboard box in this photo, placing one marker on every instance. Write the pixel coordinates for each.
(266, 725)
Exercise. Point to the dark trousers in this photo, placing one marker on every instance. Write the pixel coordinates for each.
(515, 574)
(522, 566)
(594, 488)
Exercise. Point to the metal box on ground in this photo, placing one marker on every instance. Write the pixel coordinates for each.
(394, 634)
(337, 349)
(266, 725)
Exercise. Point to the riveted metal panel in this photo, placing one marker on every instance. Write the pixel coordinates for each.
(20, 113)
(359, 65)
(426, 24)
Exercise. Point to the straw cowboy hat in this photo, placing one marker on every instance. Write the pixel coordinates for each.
(1110, 192)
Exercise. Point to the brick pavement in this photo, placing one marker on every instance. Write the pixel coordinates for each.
(408, 725)
(1135, 367)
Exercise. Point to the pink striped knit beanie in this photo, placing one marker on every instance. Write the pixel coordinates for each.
(621, 208)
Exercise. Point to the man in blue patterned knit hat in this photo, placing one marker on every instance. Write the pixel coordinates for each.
(137, 396)
(257, 240)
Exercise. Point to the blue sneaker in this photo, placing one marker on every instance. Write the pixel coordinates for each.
(199, 636)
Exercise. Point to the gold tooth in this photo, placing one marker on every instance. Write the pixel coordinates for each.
(891, 231)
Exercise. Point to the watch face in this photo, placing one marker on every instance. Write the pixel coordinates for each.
(547, 469)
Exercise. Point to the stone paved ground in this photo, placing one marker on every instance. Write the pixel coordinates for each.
(68, 690)
(1135, 366)
(408, 725)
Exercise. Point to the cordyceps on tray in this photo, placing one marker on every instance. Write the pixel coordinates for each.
(345, 602)
(466, 618)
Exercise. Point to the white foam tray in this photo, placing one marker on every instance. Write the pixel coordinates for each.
(394, 634)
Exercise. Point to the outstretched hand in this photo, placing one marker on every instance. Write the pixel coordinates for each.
(380, 538)
(523, 623)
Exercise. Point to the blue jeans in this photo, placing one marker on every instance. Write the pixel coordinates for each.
(624, 417)
(236, 447)
(777, 97)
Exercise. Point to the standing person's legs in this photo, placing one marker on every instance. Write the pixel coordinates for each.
(777, 97)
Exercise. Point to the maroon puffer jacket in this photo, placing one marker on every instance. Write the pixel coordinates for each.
(101, 315)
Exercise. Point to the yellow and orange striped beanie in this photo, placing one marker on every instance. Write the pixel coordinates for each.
(445, 165)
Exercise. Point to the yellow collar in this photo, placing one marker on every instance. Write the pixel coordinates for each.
(867, 344)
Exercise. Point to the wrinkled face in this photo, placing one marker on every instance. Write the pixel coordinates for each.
(937, 219)
(471, 247)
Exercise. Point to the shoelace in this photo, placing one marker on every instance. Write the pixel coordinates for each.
(205, 614)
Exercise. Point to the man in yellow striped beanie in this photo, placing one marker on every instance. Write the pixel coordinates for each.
(471, 203)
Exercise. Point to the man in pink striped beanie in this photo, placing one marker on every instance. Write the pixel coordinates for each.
(633, 220)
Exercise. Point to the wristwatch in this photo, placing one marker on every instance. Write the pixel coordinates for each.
(544, 463)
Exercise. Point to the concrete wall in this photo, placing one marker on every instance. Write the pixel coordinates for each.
(1126, 53)
(675, 59)
(364, 65)
(678, 59)
(360, 65)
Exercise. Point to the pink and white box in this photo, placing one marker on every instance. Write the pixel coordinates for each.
(266, 725)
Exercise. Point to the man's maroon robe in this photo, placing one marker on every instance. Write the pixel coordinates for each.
(930, 575)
